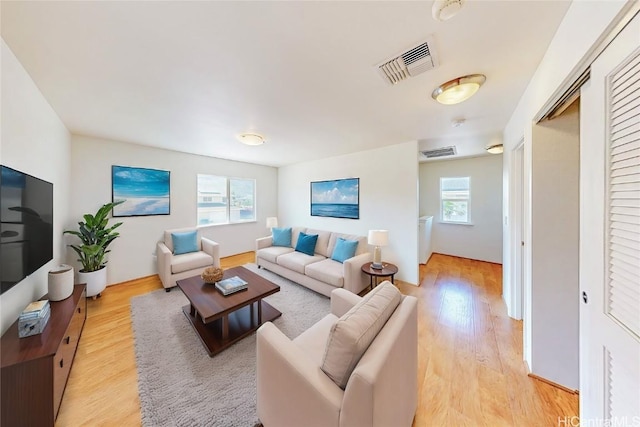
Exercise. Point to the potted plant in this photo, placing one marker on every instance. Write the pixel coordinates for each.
(96, 238)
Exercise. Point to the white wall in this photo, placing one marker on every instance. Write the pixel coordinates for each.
(555, 246)
(388, 199)
(583, 24)
(33, 140)
(483, 239)
(132, 254)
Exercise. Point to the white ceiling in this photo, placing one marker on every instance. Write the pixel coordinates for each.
(189, 76)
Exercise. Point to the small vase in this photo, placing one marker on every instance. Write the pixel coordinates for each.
(60, 283)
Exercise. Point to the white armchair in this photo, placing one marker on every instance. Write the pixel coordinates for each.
(175, 267)
(382, 390)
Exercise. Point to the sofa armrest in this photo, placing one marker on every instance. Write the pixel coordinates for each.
(212, 248)
(292, 389)
(264, 242)
(342, 301)
(163, 255)
(261, 243)
(354, 279)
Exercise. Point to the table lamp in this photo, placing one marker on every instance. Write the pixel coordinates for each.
(378, 238)
(272, 222)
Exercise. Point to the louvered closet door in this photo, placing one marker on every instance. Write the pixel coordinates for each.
(623, 161)
(610, 235)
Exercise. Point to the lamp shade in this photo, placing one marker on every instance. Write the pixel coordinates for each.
(272, 222)
(378, 237)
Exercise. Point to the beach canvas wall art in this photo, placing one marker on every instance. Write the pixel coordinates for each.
(339, 198)
(144, 191)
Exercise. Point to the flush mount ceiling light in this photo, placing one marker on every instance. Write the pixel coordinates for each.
(495, 148)
(443, 10)
(251, 138)
(459, 89)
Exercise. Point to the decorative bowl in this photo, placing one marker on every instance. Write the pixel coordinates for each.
(212, 274)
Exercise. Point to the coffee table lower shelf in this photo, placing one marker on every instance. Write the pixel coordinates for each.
(241, 323)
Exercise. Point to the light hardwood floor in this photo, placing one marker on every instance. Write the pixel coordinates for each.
(470, 355)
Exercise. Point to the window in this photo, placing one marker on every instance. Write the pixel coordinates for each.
(223, 200)
(454, 200)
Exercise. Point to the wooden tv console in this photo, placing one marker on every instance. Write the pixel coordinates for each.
(35, 369)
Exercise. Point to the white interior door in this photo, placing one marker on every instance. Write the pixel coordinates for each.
(610, 235)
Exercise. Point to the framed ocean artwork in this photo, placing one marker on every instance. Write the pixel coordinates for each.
(339, 198)
(144, 191)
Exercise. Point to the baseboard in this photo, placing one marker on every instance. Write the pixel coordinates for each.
(134, 280)
(463, 257)
(556, 385)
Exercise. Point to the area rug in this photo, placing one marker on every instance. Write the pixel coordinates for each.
(180, 385)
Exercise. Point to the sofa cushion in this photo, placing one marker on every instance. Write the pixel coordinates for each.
(327, 271)
(352, 334)
(273, 252)
(322, 245)
(297, 261)
(362, 242)
(307, 243)
(282, 237)
(190, 261)
(344, 250)
(185, 242)
(295, 232)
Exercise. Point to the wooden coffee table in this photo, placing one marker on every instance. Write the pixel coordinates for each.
(222, 320)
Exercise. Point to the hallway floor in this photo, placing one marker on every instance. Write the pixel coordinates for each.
(471, 369)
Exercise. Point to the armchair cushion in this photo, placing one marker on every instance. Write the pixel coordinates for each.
(281, 237)
(190, 261)
(185, 242)
(352, 334)
(314, 339)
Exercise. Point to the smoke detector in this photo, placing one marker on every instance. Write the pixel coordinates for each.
(443, 10)
(413, 61)
(456, 123)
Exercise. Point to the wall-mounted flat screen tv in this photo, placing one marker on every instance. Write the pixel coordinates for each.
(26, 225)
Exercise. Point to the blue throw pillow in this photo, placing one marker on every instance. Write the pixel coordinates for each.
(307, 243)
(344, 249)
(184, 243)
(282, 237)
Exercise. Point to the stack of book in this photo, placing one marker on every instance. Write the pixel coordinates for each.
(34, 318)
(231, 285)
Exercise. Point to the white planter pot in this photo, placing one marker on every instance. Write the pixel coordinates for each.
(96, 281)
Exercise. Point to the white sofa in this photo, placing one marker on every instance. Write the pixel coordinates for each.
(175, 267)
(318, 272)
(294, 388)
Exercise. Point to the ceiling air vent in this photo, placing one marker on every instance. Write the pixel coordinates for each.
(414, 61)
(439, 152)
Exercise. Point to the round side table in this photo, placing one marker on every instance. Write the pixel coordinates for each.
(387, 270)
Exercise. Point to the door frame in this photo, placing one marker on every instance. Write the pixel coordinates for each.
(519, 209)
